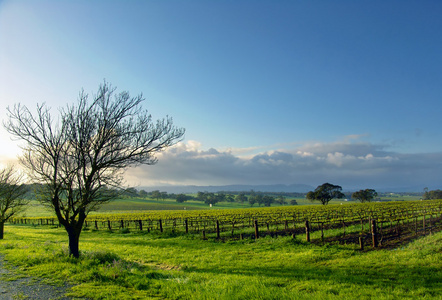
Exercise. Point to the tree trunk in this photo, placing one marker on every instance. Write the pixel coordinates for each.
(74, 239)
(2, 228)
(73, 229)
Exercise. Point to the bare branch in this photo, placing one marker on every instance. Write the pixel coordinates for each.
(82, 154)
(12, 191)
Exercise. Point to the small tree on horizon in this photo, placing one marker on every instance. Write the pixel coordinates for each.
(325, 192)
(155, 194)
(142, 193)
(212, 198)
(365, 195)
(180, 198)
(268, 200)
(241, 197)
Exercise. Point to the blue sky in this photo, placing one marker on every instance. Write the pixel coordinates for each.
(268, 91)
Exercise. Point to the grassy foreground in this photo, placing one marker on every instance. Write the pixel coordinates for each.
(144, 266)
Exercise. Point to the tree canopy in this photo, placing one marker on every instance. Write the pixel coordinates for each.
(434, 194)
(325, 192)
(365, 195)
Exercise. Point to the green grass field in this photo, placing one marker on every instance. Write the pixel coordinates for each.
(137, 265)
(124, 205)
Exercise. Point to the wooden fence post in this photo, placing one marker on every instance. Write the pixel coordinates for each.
(431, 220)
(294, 231)
(307, 231)
(415, 225)
(217, 229)
(140, 224)
(374, 233)
(256, 230)
(187, 225)
(361, 243)
(161, 225)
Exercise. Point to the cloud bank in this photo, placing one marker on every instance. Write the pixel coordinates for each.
(348, 163)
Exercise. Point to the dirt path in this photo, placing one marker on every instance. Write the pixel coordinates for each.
(28, 288)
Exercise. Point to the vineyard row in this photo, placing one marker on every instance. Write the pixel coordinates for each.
(255, 222)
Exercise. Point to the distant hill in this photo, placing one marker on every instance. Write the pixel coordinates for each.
(276, 188)
(273, 188)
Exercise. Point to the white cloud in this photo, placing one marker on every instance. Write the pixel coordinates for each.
(336, 158)
(347, 162)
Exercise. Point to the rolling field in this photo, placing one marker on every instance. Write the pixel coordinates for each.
(129, 263)
(124, 205)
(137, 265)
(138, 204)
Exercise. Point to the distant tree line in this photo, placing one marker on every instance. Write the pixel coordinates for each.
(209, 198)
(275, 194)
(327, 191)
(435, 194)
(250, 197)
(323, 193)
(253, 198)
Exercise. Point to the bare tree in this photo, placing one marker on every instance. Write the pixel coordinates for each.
(12, 192)
(81, 157)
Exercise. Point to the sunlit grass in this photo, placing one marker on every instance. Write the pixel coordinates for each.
(139, 265)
